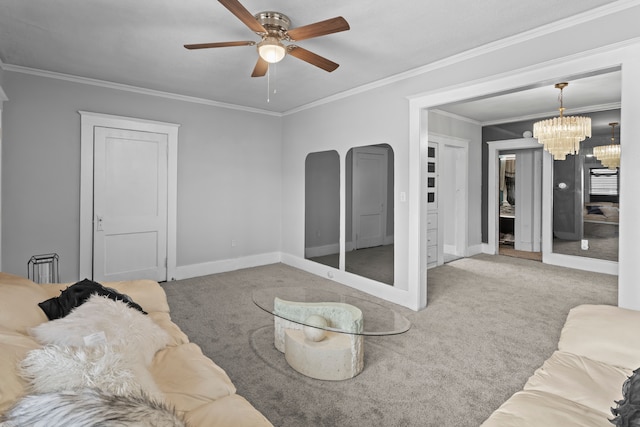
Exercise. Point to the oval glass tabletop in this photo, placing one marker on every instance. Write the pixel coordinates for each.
(330, 311)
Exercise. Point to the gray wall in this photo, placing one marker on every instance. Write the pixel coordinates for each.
(229, 172)
(380, 114)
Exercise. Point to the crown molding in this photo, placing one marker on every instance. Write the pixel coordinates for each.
(134, 89)
(562, 24)
(456, 116)
(568, 111)
(565, 23)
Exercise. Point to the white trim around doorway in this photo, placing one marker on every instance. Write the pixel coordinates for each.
(625, 57)
(88, 121)
(492, 183)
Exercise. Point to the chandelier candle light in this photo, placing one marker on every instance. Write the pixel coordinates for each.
(609, 155)
(562, 135)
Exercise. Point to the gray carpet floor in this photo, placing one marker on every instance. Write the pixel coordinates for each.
(374, 263)
(490, 322)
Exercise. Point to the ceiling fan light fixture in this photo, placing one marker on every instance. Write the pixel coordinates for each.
(271, 50)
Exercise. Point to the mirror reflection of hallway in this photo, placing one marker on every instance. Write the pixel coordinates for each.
(322, 208)
(369, 250)
(520, 203)
(507, 201)
(368, 235)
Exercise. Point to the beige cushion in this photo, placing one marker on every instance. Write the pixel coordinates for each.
(148, 293)
(19, 298)
(230, 411)
(14, 346)
(581, 380)
(164, 321)
(604, 333)
(531, 408)
(188, 378)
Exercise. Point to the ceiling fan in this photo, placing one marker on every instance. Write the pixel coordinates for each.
(273, 28)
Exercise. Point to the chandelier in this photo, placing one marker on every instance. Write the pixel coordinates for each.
(609, 155)
(562, 135)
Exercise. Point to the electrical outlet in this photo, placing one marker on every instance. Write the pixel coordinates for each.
(233, 243)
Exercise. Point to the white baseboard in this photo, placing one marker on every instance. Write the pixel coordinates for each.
(449, 249)
(388, 240)
(475, 250)
(316, 251)
(487, 249)
(214, 267)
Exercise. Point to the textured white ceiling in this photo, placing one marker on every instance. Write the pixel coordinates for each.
(141, 43)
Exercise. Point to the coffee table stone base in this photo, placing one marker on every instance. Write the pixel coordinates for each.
(315, 352)
(337, 357)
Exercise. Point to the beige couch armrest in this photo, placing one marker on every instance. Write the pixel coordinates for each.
(604, 333)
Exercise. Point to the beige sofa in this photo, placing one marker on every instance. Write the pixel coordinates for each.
(599, 349)
(199, 390)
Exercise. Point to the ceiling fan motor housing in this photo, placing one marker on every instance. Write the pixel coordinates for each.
(274, 22)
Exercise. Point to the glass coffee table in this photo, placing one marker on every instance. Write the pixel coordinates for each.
(321, 332)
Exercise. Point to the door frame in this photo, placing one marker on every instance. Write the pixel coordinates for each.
(3, 97)
(461, 215)
(88, 121)
(493, 216)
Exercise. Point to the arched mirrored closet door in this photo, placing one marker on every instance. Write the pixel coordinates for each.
(369, 211)
(369, 222)
(322, 208)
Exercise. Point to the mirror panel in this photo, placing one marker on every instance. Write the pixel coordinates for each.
(580, 211)
(593, 190)
(369, 205)
(322, 208)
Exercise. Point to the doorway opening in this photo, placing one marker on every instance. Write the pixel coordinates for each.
(90, 221)
(507, 200)
(519, 203)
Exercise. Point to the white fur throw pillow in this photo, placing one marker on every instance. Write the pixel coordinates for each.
(54, 368)
(136, 334)
(89, 407)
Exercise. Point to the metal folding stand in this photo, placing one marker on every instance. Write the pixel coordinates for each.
(44, 268)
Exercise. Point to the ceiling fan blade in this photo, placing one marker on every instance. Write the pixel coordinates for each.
(244, 15)
(312, 58)
(220, 44)
(322, 28)
(261, 68)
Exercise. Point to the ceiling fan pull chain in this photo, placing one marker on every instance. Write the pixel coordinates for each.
(275, 78)
(275, 90)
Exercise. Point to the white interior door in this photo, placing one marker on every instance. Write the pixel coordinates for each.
(454, 196)
(130, 205)
(369, 196)
(528, 220)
